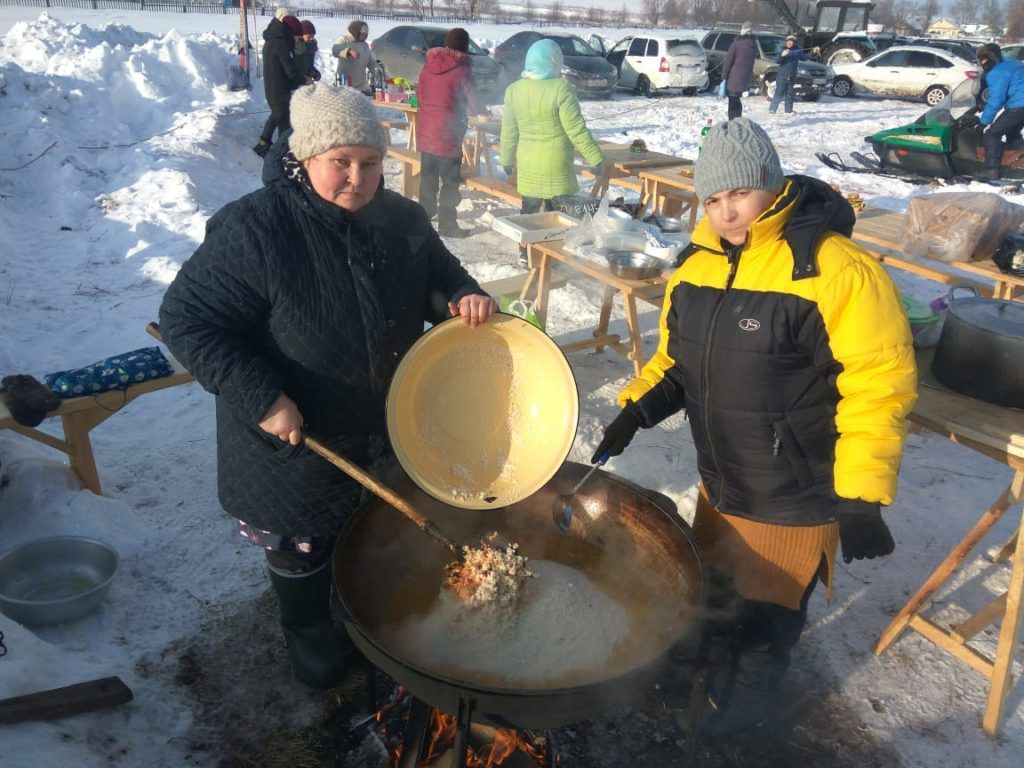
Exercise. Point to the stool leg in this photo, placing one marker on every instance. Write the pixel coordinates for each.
(992, 515)
(1001, 672)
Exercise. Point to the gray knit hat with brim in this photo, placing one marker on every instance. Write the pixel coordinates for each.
(327, 116)
(737, 155)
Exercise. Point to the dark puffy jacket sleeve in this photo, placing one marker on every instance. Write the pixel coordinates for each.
(220, 295)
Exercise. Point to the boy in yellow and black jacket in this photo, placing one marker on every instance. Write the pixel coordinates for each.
(787, 345)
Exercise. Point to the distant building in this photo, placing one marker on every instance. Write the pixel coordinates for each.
(944, 28)
(906, 28)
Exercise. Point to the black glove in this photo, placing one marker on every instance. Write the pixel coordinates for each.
(970, 121)
(862, 532)
(618, 434)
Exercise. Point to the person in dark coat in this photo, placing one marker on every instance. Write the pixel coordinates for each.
(305, 52)
(294, 311)
(738, 67)
(281, 76)
(789, 59)
(444, 94)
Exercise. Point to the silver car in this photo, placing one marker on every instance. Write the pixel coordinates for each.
(402, 51)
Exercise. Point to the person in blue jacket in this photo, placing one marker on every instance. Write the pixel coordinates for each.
(1003, 115)
(788, 59)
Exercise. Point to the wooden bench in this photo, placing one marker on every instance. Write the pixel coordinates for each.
(520, 284)
(80, 415)
(411, 164)
(504, 190)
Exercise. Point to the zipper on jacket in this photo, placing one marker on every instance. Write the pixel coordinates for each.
(776, 444)
(734, 262)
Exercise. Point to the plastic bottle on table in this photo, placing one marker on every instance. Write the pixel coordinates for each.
(704, 132)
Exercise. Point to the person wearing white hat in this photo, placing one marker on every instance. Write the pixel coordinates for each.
(295, 310)
(788, 59)
(737, 68)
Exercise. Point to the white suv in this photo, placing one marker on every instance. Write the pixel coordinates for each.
(651, 64)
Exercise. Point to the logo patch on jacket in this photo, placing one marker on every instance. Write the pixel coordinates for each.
(749, 324)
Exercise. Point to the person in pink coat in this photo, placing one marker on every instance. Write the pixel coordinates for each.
(445, 96)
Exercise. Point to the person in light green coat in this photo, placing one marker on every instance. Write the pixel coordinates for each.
(541, 124)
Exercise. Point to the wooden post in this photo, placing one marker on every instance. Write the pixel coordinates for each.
(950, 564)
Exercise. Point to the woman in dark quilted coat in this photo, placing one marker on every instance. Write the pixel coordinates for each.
(737, 68)
(294, 312)
(444, 94)
(281, 76)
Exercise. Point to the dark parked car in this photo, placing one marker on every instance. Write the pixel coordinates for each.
(812, 77)
(584, 67)
(959, 48)
(402, 52)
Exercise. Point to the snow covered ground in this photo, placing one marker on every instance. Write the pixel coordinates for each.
(117, 141)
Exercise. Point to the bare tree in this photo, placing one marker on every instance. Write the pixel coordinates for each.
(529, 11)
(555, 13)
(1015, 19)
(671, 13)
(994, 16)
(595, 16)
(652, 10)
(928, 10)
(622, 17)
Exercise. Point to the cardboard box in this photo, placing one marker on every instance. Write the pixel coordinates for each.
(526, 228)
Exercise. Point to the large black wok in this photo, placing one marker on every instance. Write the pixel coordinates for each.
(628, 541)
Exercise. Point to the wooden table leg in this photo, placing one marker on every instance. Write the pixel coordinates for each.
(605, 317)
(543, 270)
(77, 426)
(636, 350)
(1008, 631)
(1006, 499)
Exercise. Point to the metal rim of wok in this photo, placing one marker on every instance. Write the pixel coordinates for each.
(505, 706)
(537, 412)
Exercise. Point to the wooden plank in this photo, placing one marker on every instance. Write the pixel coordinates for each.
(64, 702)
(969, 627)
(495, 188)
(516, 283)
(1002, 678)
(965, 653)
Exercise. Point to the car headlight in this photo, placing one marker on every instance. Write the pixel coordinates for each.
(570, 72)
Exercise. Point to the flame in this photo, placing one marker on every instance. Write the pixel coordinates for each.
(441, 737)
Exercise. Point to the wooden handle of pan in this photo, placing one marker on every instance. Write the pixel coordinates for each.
(374, 486)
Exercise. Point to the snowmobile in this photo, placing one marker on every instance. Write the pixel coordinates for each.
(937, 147)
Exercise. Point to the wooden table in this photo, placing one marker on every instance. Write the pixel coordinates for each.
(621, 163)
(542, 256)
(80, 415)
(410, 116)
(478, 145)
(881, 232)
(669, 191)
(998, 433)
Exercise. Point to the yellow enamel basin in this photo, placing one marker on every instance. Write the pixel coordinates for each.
(481, 418)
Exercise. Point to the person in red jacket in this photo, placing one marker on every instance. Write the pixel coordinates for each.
(444, 96)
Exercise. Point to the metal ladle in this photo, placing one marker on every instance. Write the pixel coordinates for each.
(562, 509)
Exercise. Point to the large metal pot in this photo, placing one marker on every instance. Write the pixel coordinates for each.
(981, 349)
(628, 541)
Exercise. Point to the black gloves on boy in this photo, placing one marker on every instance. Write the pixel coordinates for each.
(862, 532)
(618, 434)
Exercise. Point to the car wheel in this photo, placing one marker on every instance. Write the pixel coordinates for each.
(644, 87)
(769, 88)
(842, 87)
(934, 95)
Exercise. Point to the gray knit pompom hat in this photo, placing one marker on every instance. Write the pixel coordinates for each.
(328, 116)
(737, 154)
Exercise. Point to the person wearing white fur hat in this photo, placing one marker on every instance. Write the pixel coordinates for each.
(296, 310)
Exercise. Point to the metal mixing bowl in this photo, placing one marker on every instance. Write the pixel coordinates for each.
(670, 224)
(48, 581)
(634, 265)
